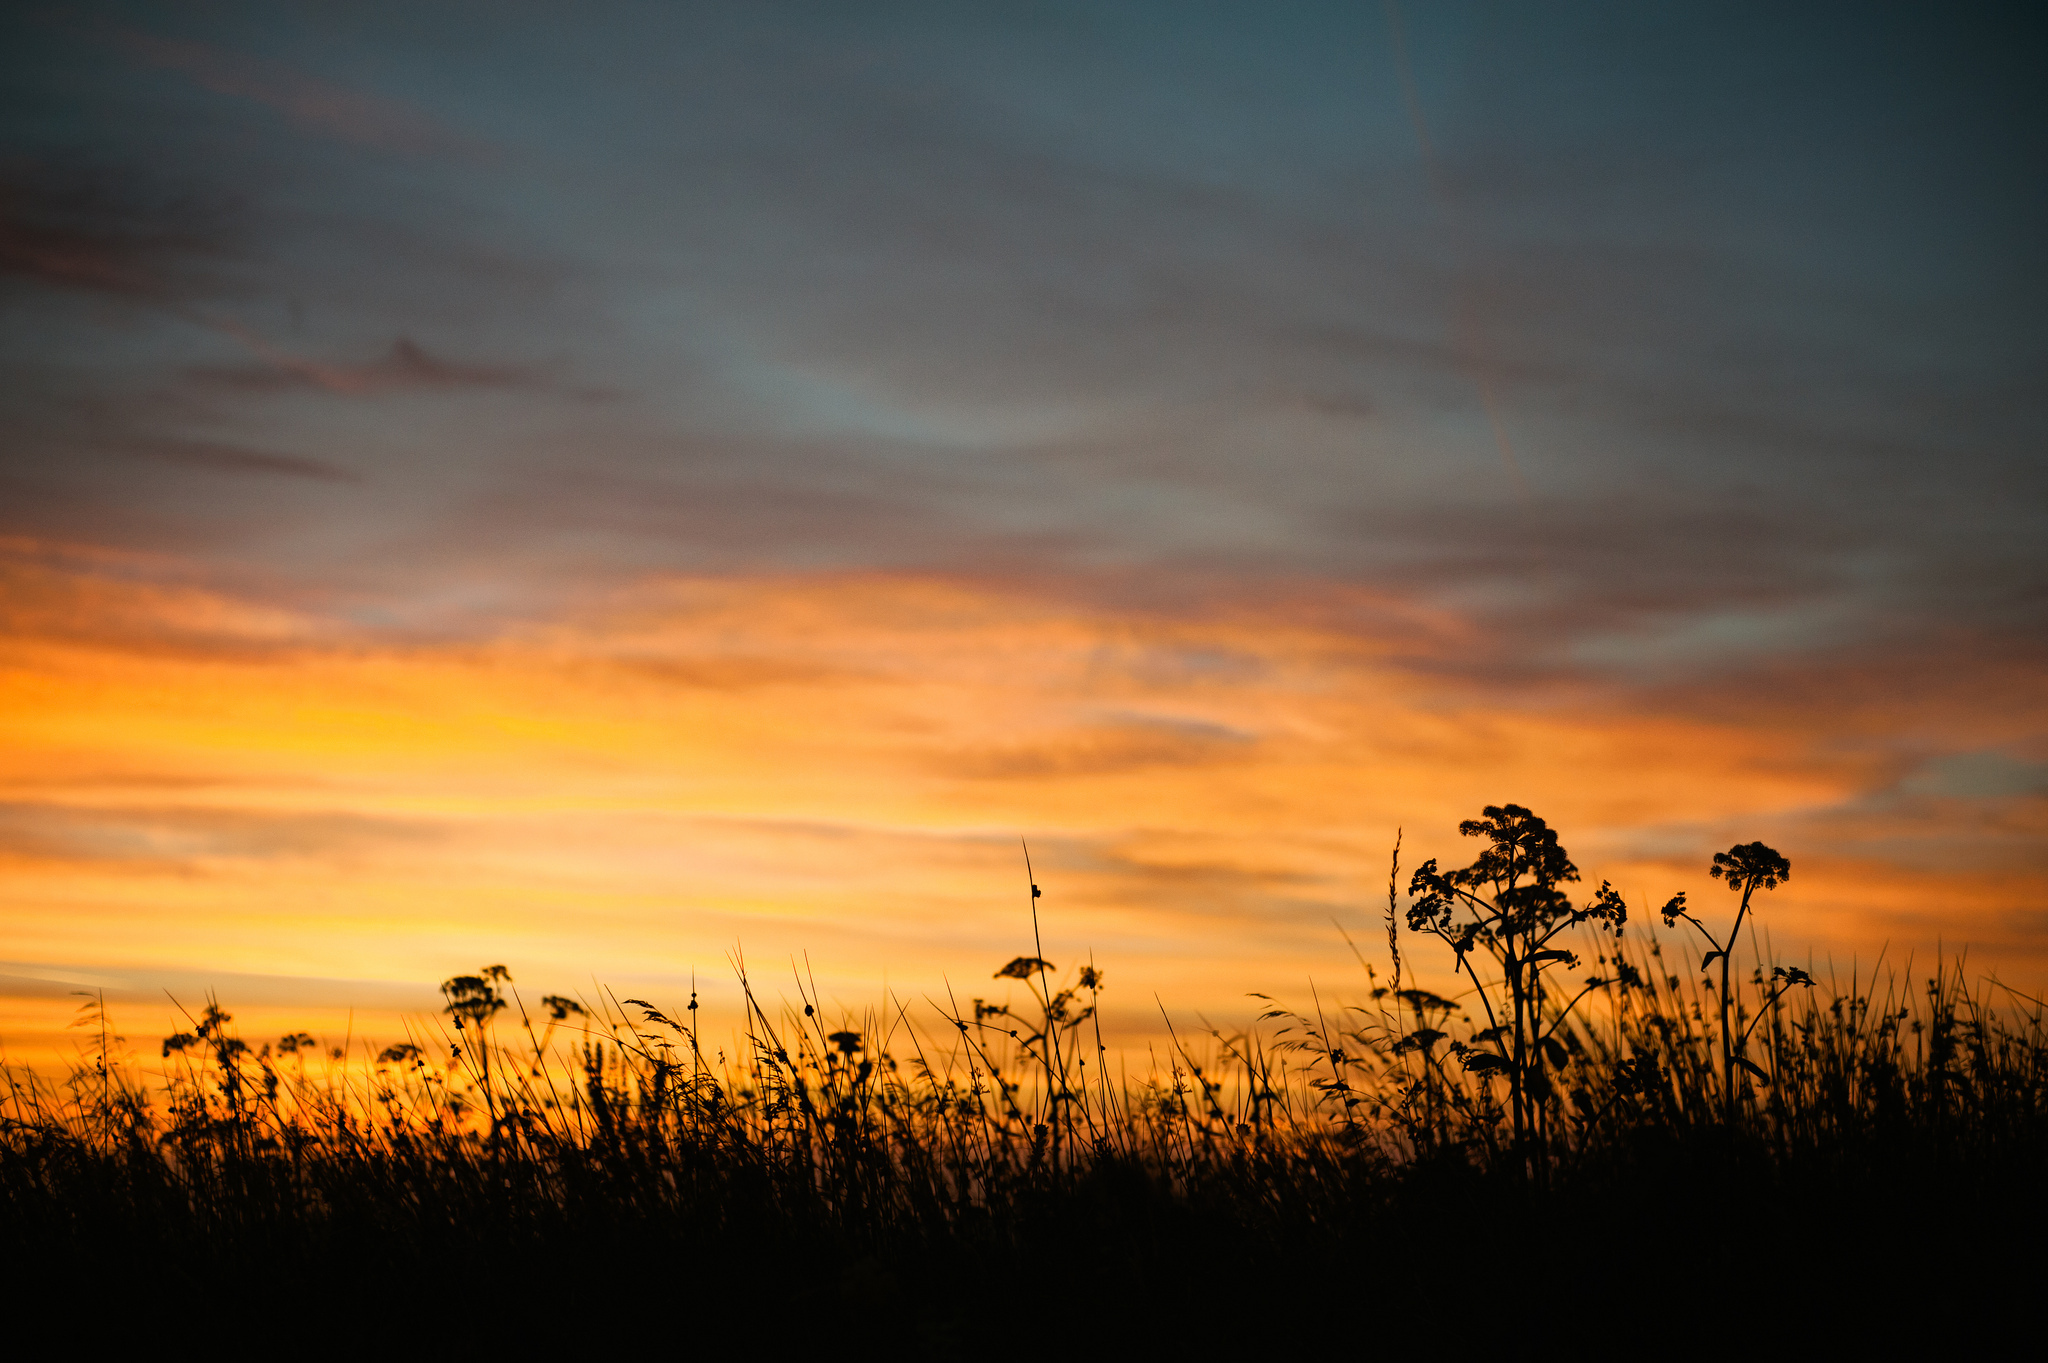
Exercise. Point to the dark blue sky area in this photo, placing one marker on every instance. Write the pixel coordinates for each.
(1664, 347)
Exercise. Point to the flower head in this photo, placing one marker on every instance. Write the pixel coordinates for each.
(1750, 865)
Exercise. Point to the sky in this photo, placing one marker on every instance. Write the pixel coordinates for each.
(609, 488)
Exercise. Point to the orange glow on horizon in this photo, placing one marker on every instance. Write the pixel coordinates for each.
(844, 765)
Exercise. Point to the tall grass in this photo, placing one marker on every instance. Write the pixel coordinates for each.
(929, 1160)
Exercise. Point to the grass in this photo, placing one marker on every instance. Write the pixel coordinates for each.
(1598, 1137)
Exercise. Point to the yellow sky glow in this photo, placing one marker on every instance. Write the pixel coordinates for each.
(842, 765)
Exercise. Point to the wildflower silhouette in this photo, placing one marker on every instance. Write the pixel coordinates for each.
(1023, 968)
(1747, 867)
(1507, 904)
(472, 1000)
(873, 1131)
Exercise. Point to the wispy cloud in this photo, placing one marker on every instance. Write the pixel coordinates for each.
(407, 366)
(234, 459)
(1134, 745)
(1221, 784)
(309, 102)
(1011, 428)
(187, 841)
(99, 226)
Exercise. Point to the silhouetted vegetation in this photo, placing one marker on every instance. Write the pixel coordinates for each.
(1599, 1129)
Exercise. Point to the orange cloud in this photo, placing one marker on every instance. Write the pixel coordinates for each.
(844, 764)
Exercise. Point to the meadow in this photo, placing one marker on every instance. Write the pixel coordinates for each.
(1625, 1128)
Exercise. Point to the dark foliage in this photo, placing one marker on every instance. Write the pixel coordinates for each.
(1604, 1161)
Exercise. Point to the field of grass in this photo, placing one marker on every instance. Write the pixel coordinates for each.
(1612, 1134)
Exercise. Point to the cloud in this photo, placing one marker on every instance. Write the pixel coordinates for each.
(62, 593)
(237, 989)
(110, 228)
(316, 105)
(839, 761)
(406, 367)
(221, 458)
(722, 674)
(983, 334)
(190, 840)
(1978, 775)
(1135, 744)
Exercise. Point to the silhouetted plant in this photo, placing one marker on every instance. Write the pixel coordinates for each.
(1747, 867)
(1507, 904)
(973, 1142)
(473, 1000)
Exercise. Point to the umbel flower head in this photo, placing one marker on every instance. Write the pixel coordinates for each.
(1023, 968)
(1750, 866)
(1524, 848)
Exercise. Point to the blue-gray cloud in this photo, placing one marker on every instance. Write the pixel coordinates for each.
(1700, 339)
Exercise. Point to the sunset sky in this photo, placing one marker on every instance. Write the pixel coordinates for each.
(600, 487)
